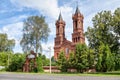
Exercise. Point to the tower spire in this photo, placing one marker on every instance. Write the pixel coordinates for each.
(60, 17)
(77, 10)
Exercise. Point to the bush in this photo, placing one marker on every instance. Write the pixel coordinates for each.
(16, 63)
(39, 65)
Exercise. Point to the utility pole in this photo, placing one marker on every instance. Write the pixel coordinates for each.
(50, 58)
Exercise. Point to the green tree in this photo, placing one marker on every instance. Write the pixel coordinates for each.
(3, 59)
(81, 56)
(53, 62)
(116, 22)
(62, 62)
(105, 30)
(17, 61)
(99, 62)
(105, 59)
(102, 32)
(71, 60)
(39, 64)
(45, 61)
(117, 61)
(116, 29)
(91, 58)
(35, 30)
(5, 43)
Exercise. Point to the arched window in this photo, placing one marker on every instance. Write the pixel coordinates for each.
(76, 25)
(67, 51)
(76, 39)
(58, 30)
(56, 55)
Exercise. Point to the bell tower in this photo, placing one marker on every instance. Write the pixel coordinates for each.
(60, 30)
(60, 35)
(78, 35)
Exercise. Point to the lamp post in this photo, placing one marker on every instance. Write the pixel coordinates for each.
(50, 57)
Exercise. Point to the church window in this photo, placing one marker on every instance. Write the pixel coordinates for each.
(58, 29)
(76, 39)
(76, 24)
(67, 50)
(61, 30)
(57, 55)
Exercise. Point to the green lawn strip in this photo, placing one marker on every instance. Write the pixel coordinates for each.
(88, 74)
(115, 73)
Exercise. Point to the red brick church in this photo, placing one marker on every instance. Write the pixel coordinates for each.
(60, 42)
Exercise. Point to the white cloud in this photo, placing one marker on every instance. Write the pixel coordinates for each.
(14, 19)
(14, 31)
(47, 7)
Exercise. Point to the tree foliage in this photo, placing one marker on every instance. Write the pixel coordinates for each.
(116, 22)
(39, 64)
(4, 58)
(42, 61)
(102, 32)
(71, 60)
(53, 62)
(81, 56)
(45, 61)
(35, 30)
(62, 62)
(117, 62)
(91, 58)
(17, 61)
(5, 43)
(105, 59)
(104, 38)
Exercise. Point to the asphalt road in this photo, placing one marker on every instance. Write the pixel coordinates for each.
(20, 76)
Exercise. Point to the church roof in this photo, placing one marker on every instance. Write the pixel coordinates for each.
(77, 10)
(60, 17)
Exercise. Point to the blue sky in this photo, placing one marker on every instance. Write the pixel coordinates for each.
(14, 12)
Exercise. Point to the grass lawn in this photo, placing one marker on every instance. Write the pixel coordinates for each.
(113, 73)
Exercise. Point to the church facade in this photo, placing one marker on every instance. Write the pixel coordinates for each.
(60, 42)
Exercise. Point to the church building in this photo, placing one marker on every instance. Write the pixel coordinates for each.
(60, 42)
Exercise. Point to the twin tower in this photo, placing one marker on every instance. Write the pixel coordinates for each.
(60, 42)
